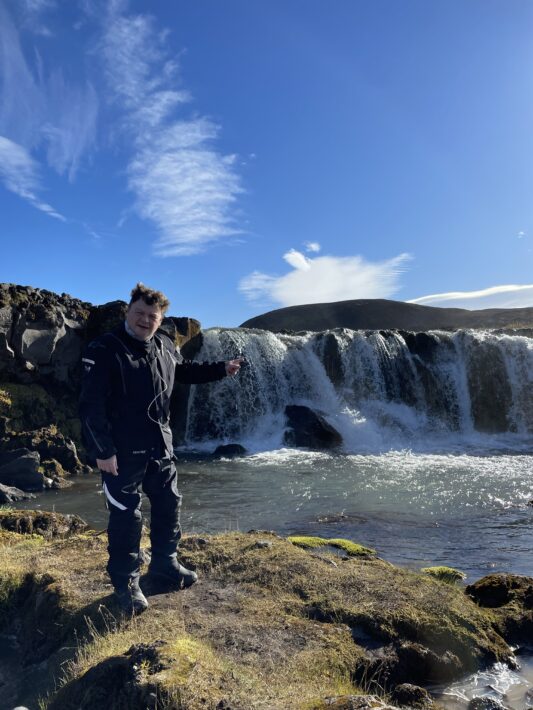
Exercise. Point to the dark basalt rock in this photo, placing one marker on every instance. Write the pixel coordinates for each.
(20, 468)
(228, 451)
(309, 429)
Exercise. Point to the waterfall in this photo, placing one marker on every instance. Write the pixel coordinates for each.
(379, 389)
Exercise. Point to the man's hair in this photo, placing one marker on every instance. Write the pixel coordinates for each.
(149, 296)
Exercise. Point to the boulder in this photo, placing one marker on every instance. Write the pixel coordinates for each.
(309, 429)
(229, 451)
(20, 468)
(10, 494)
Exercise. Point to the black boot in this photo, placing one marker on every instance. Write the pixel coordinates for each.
(170, 570)
(130, 597)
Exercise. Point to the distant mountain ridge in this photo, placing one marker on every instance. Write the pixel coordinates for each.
(383, 314)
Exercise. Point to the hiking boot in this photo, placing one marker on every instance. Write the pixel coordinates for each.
(130, 597)
(170, 570)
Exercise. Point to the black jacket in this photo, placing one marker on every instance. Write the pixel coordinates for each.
(126, 389)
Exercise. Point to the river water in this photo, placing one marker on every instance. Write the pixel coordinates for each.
(468, 510)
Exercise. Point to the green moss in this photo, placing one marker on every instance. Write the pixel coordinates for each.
(353, 549)
(26, 406)
(445, 574)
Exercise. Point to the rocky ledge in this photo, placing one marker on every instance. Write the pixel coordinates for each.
(271, 624)
(42, 336)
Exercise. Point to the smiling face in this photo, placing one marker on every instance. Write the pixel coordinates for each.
(143, 319)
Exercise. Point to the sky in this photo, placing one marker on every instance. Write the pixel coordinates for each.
(245, 155)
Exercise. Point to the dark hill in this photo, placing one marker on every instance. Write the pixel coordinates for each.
(381, 314)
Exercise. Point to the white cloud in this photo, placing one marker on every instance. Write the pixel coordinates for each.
(312, 246)
(297, 260)
(37, 109)
(325, 279)
(181, 182)
(510, 296)
(19, 173)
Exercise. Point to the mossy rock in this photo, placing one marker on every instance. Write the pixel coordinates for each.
(444, 574)
(352, 549)
(26, 406)
(34, 522)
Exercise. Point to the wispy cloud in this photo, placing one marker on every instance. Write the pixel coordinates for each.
(312, 246)
(39, 109)
(510, 296)
(324, 279)
(181, 182)
(19, 173)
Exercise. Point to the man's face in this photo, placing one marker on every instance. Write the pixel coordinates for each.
(143, 319)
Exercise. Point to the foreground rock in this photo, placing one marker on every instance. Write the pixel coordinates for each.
(269, 625)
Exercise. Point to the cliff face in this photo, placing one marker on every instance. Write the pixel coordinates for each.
(42, 336)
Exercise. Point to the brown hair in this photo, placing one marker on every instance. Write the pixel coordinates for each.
(149, 296)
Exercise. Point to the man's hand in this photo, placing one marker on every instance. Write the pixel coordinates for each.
(108, 465)
(233, 366)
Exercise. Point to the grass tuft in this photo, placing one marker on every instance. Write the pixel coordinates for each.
(444, 574)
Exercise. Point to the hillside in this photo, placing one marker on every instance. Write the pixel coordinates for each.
(381, 314)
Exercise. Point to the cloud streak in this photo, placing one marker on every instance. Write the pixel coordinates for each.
(325, 279)
(40, 111)
(182, 184)
(509, 296)
(19, 173)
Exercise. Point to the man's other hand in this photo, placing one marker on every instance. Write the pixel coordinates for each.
(233, 366)
(108, 465)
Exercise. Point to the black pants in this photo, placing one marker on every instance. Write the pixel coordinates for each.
(159, 480)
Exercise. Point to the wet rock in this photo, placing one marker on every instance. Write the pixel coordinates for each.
(411, 696)
(10, 494)
(229, 451)
(20, 468)
(309, 429)
(485, 703)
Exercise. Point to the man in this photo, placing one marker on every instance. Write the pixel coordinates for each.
(128, 377)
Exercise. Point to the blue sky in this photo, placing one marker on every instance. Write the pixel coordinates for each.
(245, 155)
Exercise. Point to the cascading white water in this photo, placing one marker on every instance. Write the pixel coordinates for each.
(381, 390)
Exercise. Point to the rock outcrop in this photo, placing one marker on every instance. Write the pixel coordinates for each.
(42, 336)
